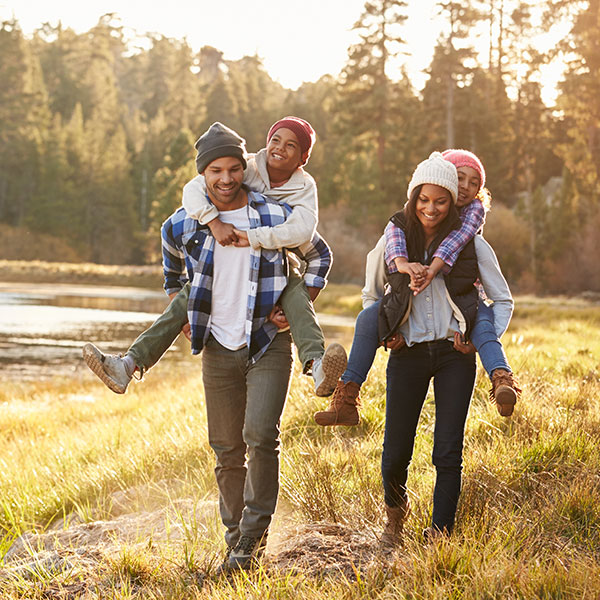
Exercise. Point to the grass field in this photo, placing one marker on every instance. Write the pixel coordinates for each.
(106, 496)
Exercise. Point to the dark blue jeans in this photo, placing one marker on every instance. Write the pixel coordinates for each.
(409, 371)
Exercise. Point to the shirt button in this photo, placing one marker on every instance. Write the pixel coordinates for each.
(428, 299)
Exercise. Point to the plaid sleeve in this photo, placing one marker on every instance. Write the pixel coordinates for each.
(173, 259)
(395, 246)
(318, 258)
(472, 218)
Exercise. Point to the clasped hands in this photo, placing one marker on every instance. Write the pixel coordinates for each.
(226, 234)
(420, 276)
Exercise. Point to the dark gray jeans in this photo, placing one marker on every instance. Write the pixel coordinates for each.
(244, 405)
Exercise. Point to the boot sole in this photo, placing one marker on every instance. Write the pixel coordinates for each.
(93, 359)
(334, 365)
(325, 422)
(506, 398)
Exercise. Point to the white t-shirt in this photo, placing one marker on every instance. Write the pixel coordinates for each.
(230, 286)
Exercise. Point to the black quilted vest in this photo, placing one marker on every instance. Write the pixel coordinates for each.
(395, 305)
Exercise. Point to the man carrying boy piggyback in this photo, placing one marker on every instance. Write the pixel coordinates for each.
(277, 172)
(246, 358)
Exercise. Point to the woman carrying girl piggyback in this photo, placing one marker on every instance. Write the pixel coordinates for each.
(472, 202)
(428, 324)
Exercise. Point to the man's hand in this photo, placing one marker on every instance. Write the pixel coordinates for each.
(396, 341)
(313, 292)
(461, 345)
(224, 233)
(242, 239)
(277, 317)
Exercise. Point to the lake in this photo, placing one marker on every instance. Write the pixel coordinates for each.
(43, 327)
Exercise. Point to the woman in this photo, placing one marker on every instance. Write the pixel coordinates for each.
(424, 328)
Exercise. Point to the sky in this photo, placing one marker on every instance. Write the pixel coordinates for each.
(298, 40)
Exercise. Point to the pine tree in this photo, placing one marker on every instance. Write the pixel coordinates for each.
(24, 118)
(366, 110)
(579, 98)
(449, 68)
(169, 180)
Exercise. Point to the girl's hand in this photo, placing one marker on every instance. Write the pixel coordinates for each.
(414, 269)
(418, 285)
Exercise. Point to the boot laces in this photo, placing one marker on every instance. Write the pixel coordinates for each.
(503, 379)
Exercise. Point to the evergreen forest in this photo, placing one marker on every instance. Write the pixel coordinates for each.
(97, 134)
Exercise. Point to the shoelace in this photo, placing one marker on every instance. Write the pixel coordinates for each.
(246, 544)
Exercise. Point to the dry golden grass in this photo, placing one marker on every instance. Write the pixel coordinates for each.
(116, 497)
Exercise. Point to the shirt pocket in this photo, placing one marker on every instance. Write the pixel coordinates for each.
(193, 244)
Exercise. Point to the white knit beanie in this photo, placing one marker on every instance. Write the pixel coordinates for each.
(438, 171)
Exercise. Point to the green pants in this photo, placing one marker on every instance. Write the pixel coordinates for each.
(150, 346)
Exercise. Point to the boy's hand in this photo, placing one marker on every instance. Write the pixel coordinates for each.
(242, 239)
(461, 345)
(277, 317)
(224, 233)
(313, 292)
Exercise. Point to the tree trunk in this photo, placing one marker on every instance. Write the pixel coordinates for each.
(450, 112)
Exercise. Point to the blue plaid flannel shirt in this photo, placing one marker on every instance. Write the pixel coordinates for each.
(188, 247)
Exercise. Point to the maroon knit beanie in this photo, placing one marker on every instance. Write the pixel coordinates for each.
(464, 158)
(303, 130)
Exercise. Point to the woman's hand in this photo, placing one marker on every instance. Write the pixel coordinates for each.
(396, 341)
(414, 269)
(461, 345)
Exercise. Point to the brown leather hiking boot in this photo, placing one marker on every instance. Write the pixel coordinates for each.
(504, 391)
(342, 409)
(396, 517)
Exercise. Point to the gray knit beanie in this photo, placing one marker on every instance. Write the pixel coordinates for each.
(438, 171)
(216, 142)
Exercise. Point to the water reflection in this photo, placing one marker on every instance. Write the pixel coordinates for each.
(43, 327)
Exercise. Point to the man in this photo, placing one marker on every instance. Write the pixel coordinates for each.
(246, 360)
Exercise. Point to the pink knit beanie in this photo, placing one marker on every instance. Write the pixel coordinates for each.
(464, 158)
(303, 130)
